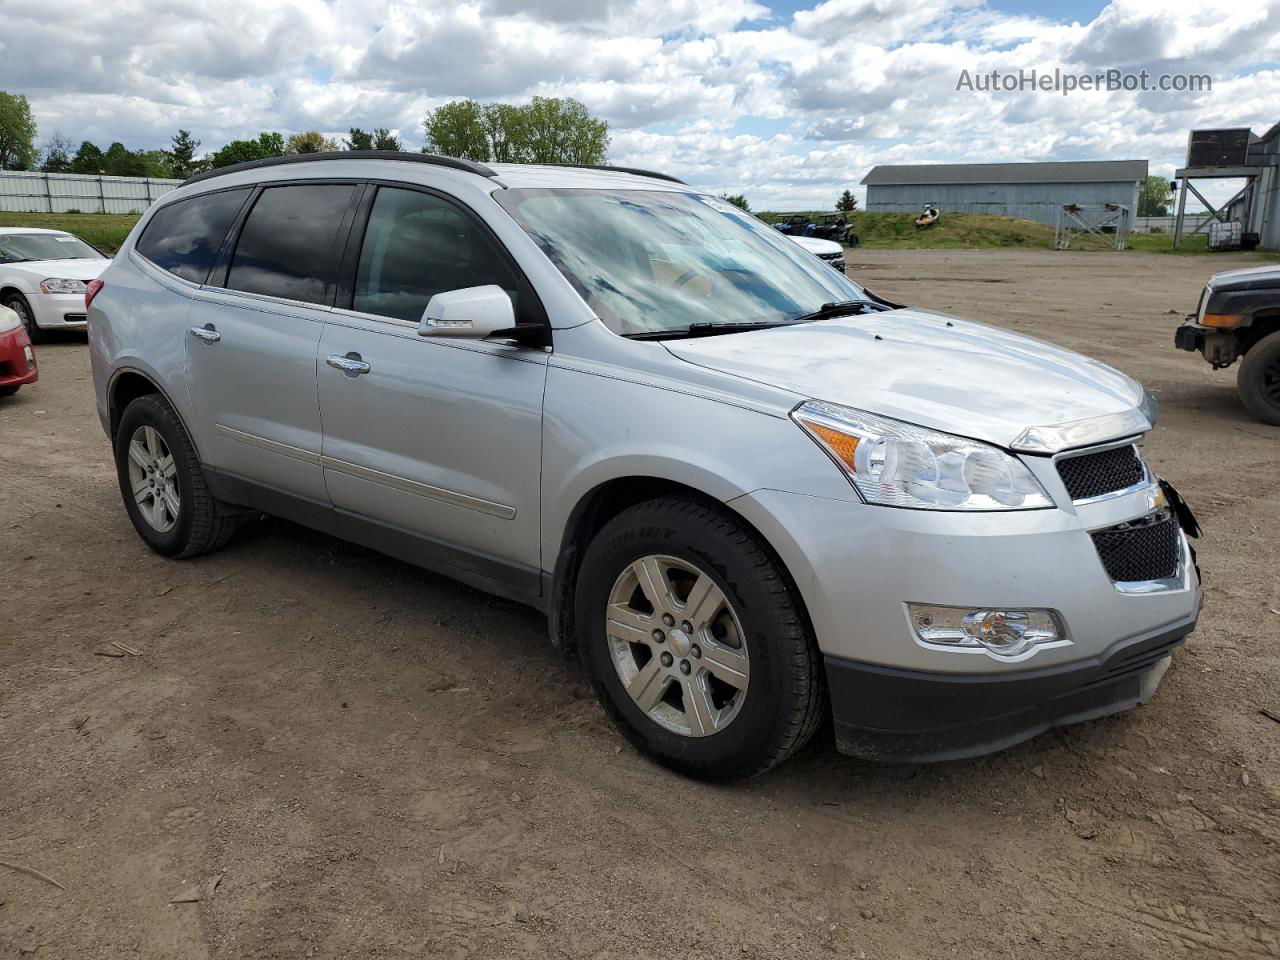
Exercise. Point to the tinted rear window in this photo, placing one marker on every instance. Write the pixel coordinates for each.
(184, 237)
(287, 247)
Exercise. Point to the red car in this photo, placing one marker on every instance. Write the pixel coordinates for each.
(17, 359)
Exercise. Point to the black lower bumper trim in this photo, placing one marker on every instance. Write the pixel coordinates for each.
(1188, 337)
(884, 713)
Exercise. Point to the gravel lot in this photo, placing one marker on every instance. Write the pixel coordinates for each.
(377, 762)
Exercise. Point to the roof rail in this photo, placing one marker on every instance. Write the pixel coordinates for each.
(470, 166)
(636, 171)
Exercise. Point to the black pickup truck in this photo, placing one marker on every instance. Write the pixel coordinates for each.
(1239, 316)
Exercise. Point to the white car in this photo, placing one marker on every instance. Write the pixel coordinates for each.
(43, 274)
(828, 251)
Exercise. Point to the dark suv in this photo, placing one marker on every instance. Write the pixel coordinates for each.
(1239, 316)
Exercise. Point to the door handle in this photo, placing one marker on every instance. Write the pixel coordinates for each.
(351, 364)
(207, 333)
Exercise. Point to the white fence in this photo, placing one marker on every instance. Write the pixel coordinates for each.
(1163, 224)
(30, 192)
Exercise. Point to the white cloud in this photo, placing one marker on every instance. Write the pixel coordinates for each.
(729, 95)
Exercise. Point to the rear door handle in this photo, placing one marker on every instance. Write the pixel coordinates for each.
(207, 333)
(351, 364)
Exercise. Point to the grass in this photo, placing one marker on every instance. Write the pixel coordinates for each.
(106, 231)
(889, 231)
(883, 231)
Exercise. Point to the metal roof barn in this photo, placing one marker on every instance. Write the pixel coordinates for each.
(1029, 191)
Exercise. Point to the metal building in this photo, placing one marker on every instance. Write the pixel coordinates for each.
(1029, 191)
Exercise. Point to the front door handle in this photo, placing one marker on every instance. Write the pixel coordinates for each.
(351, 364)
(207, 333)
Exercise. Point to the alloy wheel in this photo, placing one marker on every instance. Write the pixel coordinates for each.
(677, 646)
(153, 478)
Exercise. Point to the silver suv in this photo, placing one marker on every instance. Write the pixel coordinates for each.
(742, 487)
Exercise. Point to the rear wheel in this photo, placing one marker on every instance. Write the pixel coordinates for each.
(18, 304)
(695, 641)
(1259, 379)
(162, 484)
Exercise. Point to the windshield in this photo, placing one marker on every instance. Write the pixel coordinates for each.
(650, 262)
(44, 246)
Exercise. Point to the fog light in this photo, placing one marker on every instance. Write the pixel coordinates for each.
(1005, 633)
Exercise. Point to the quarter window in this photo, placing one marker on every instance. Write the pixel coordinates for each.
(418, 245)
(287, 246)
(185, 237)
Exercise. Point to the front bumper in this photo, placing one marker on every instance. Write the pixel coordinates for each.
(17, 359)
(1190, 336)
(858, 566)
(58, 311)
(881, 713)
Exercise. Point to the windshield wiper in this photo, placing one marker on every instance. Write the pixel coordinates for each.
(709, 329)
(837, 308)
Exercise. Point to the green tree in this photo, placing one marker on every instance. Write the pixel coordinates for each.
(560, 130)
(17, 133)
(457, 129)
(737, 199)
(310, 141)
(1155, 197)
(88, 159)
(548, 130)
(243, 151)
(119, 161)
(384, 139)
(358, 139)
(847, 203)
(181, 155)
(55, 157)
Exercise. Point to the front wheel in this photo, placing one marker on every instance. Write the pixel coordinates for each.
(1259, 379)
(18, 304)
(695, 641)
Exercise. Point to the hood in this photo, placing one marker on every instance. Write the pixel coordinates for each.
(59, 269)
(953, 375)
(818, 247)
(1266, 276)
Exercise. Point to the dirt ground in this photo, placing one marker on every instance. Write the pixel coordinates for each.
(340, 756)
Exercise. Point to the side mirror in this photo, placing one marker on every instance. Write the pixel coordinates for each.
(472, 312)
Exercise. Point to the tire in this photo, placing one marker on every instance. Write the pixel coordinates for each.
(18, 304)
(8, 391)
(1259, 379)
(200, 524)
(759, 640)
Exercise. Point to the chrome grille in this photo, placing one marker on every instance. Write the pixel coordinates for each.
(1091, 475)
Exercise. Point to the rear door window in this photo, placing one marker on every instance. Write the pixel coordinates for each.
(288, 246)
(185, 237)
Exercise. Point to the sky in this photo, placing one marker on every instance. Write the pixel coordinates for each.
(788, 102)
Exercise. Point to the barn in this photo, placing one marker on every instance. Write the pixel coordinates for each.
(1030, 191)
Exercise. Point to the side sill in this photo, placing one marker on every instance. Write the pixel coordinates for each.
(481, 571)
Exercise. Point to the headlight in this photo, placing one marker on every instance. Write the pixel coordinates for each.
(896, 464)
(54, 285)
(8, 320)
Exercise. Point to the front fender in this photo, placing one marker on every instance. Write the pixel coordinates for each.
(597, 430)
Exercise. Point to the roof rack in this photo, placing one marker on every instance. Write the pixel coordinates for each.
(636, 171)
(470, 166)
